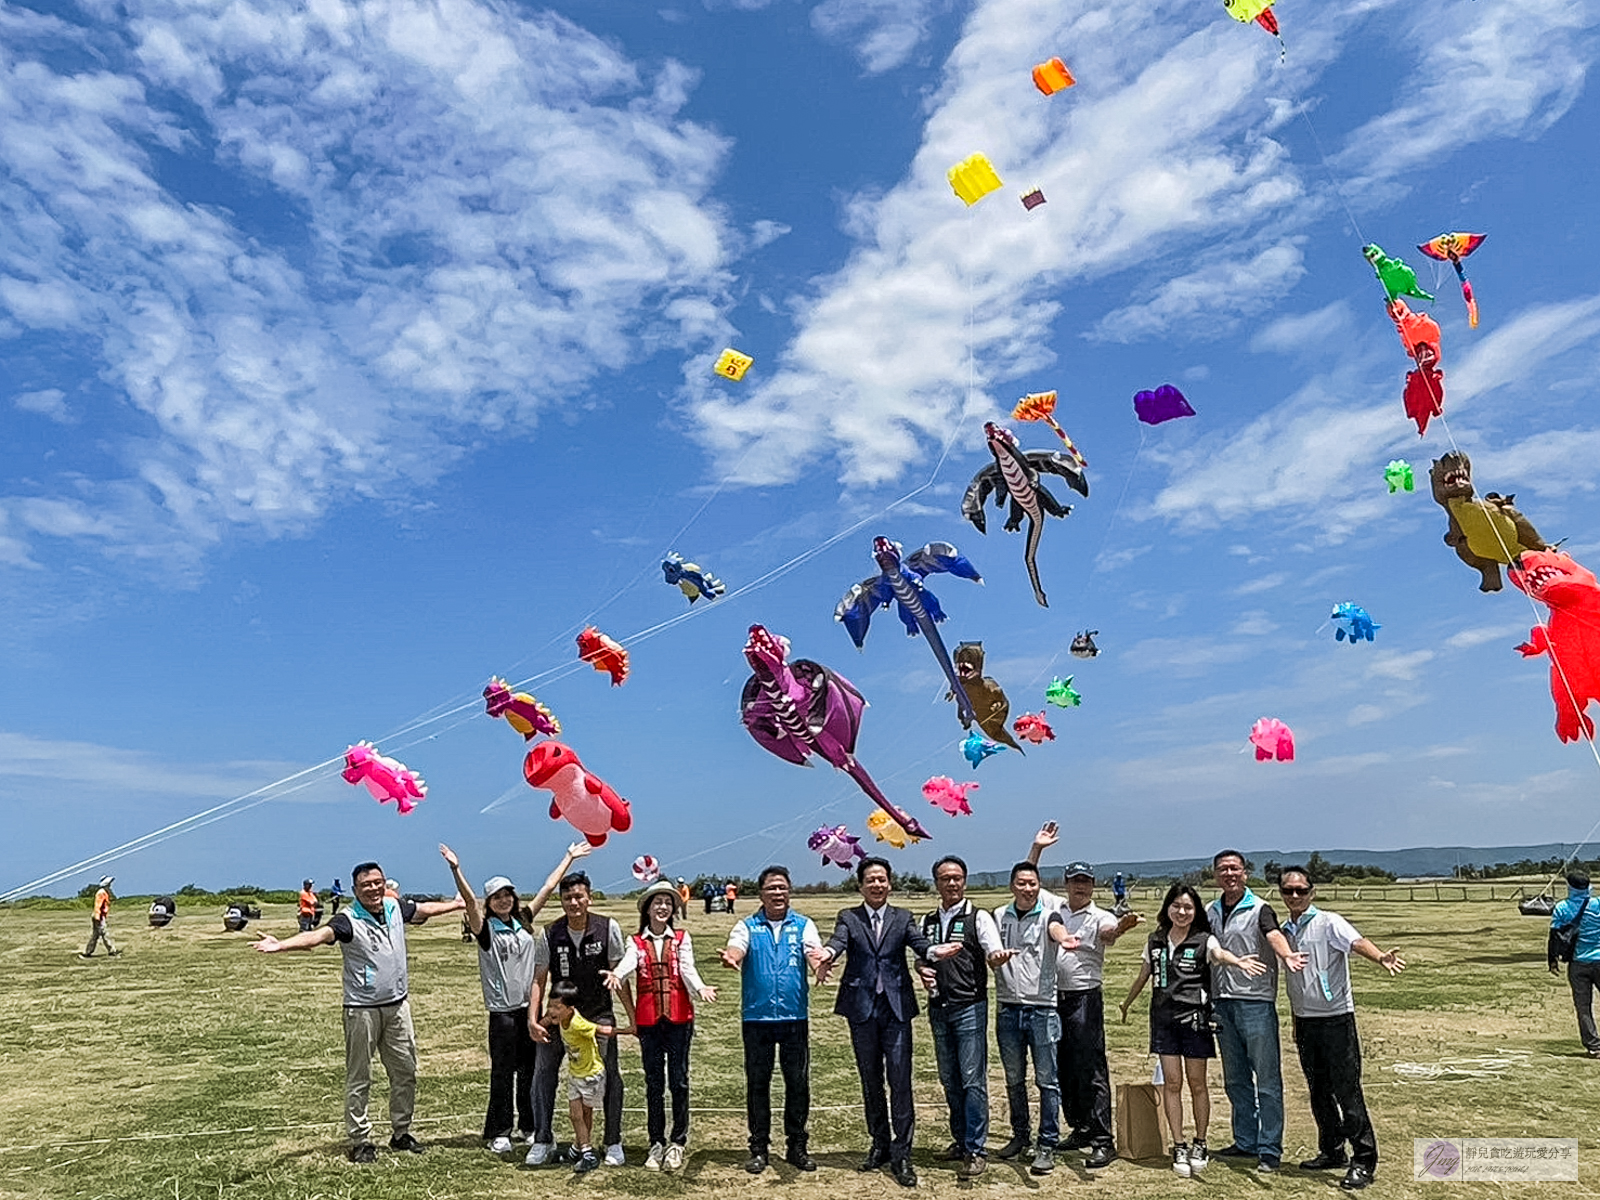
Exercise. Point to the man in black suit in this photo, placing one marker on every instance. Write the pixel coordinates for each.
(877, 997)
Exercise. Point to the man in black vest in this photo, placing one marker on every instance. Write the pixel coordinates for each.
(579, 948)
(877, 997)
(958, 1009)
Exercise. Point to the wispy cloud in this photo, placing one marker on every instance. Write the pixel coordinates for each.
(48, 402)
(884, 33)
(1209, 301)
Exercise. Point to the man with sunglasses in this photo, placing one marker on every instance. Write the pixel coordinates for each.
(1325, 1028)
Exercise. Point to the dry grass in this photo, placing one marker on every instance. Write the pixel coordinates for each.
(191, 1067)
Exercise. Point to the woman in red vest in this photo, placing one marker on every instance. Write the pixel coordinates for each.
(662, 958)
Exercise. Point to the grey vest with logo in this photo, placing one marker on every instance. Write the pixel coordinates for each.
(507, 966)
(375, 957)
(1241, 935)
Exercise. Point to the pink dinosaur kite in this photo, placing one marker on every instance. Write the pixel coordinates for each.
(388, 779)
(1272, 739)
(1032, 727)
(1571, 637)
(583, 799)
(949, 795)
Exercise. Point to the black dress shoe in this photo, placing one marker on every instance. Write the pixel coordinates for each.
(405, 1142)
(1099, 1158)
(952, 1153)
(1356, 1178)
(799, 1159)
(1017, 1145)
(364, 1152)
(756, 1163)
(1231, 1150)
(1078, 1140)
(875, 1158)
(1324, 1162)
(903, 1173)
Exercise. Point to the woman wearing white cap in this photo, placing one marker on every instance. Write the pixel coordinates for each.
(663, 958)
(510, 952)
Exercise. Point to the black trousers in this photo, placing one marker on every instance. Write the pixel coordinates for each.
(791, 1042)
(882, 1047)
(547, 1074)
(1330, 1055)
(665, 1050)
(1584, 977)
(512, 1054)
(1081, 1067)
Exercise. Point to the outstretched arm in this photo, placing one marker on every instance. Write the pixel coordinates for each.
(1391, 962)
(468, 896)
(300, 941)
(1291, 958)
(1138, 986)
(439, 908)
(1047, 836)
(574, 852)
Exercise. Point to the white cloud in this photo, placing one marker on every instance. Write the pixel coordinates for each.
(1211, 300)
(885, 33)
(49, 402)
(1390, 664)
(1317, 330)
(486, 210)
(1265, 583)
(70, 764)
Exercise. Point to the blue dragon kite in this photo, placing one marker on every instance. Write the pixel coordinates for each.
(900, 582)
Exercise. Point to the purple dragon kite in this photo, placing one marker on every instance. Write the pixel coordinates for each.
(800, 708)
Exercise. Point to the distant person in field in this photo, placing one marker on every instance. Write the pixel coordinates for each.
(771, 949)
(1081, 1066)
(708, 894)
(377, 1015)
(668, 981)
(1583, 972)
(336, 897)
(511, 950)
(1027, 1025)
(958, 1010)
(683, 897)
(307, 907)
(1179, 960)
(730, 894)
(878, 999)
(586, 1069)
(1247, 1015)
(581, 947)
(99, 919)
(1324, 1011)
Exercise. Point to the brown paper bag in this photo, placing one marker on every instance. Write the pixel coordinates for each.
(1141, 1125)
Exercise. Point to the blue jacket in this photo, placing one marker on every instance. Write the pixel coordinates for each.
(774, 978)
(1589, 932)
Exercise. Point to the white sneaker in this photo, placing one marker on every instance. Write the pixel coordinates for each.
(652, 1161)
(1180, 1160)
(1198, 1156)
(539, 1153)
(614, 1156)
(500, 1145)
(674, 1158)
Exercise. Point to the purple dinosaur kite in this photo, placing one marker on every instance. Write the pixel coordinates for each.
(800, 708)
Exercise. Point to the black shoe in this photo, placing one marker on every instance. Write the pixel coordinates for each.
(1356, 1178)
(1324, 1162)
(1232, 1151)
(587, 1161)
(1044, 1161)
(407, 1143)
(1077, 1140)
(903, 1173)
(799, 1159)
(365, 1152)
(1099, 1158)
(952, 1153)
(875, 1158)
(1017, 1145)
(757, 1162)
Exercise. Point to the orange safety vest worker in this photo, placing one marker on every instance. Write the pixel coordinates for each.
(102, 904)
(308, 903)
(731, 892)
(683, 895)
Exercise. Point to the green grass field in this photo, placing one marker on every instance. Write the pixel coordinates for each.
(193, 1067)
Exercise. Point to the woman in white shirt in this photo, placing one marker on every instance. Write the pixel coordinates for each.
(662, 957)
(1178, 957)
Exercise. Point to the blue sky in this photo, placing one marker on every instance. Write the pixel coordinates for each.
(352, 354)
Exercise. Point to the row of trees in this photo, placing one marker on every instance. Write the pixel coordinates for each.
(1318, 870)
(1527, 866)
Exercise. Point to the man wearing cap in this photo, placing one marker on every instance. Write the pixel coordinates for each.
(98, 917)
(1579, 913)
(1324, 1010)
(377, 1015)
(1081, 1063)
(307, 907)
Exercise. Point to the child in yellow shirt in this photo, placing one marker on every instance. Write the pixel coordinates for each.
(586, 1069)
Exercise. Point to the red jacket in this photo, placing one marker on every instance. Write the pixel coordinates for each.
(662, 994)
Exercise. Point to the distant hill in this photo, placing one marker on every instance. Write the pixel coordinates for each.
(1417, 861)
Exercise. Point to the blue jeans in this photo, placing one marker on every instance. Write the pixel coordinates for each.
(1021, 1029)
(1252, 1075)
(961, 1048)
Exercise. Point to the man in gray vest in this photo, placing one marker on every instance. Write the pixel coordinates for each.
(1325, 1029)
(1247, 1014)
(377, 1017)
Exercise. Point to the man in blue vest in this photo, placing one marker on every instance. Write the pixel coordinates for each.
(772, 950)
(377, 1015)
(1583, 972)
(1247, 1014)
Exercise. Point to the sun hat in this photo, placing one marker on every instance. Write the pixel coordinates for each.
(107, 880)
(659, 888)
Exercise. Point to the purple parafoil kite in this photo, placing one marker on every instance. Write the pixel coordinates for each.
(1166, 403)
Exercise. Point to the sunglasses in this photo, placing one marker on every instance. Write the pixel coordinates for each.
(1294, 891)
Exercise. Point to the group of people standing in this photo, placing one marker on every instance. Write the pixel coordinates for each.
(571, 989)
